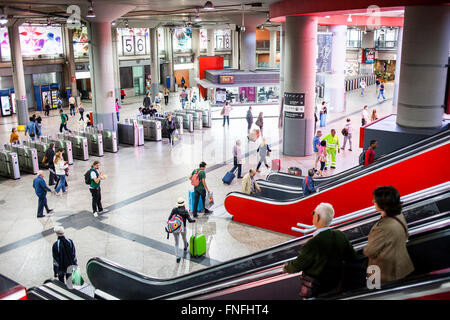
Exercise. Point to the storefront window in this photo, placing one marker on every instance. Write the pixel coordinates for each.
(268, 94)
(353, 37)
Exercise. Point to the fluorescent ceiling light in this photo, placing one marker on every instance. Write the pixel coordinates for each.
(208, 6)
(349, 19)
(3, 20)
(91, 13)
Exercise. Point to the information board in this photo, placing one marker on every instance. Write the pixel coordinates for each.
(294, 105)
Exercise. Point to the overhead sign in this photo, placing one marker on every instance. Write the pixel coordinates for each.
(226, 79)
(294, 105)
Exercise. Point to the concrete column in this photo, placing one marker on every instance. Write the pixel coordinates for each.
(154, 61)
(195, 55)
(101, 65)
(367, 41)
(211, 42)
(424, 66)
(18, 74)
(336, 83)
(69, 68)
(273, 48)
(168, 33)
(116, 64)
(235, 49)
(398, 62)
(300, 75)
(282, 70)
(248, 48)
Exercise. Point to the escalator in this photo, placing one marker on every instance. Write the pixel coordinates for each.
(425, 207)
(350, 191)
(53, 289)
(428, 244)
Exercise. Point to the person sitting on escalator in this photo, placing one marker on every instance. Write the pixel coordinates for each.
(322, 257)
(386, 245)
(308, 185)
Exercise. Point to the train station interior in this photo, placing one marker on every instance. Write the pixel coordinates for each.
(316, 104)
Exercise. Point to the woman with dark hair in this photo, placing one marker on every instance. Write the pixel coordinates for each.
(386, 247)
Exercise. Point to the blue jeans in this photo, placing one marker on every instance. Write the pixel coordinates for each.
(62, 183)
(117, 116)
(227, 118)
(381, 93)
(41, 205)
(182, 103)
(323, 120)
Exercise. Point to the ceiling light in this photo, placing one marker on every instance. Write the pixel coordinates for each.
(328, 17)
(208, 6)
(91, 13)
(197, 17)
(3, 20)
(349, 19)
(113, 23)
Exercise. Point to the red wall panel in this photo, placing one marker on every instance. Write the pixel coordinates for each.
(208, 63)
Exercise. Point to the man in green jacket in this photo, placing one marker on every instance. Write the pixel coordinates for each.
(322, 256)
(64, 119)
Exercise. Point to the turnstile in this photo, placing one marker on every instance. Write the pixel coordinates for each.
(28, 159)
(206, 116)
(197, 118)
(95, 142)
(109, 140)
(79, 145)
(152, 129)
(41, 148)
(9, 164)
(131, 133)
(188, 120)
(61, 142)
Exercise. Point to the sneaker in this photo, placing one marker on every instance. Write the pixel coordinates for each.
(43, 216)
(50, 211)
(267, 166)
(95, 214)
(208, 211)
(349, 149)
(258, 171)
(333, 167)
(178, 259)
(103, 211)
(186, 246)
(342, 148)
(325, 168)
(195, 215)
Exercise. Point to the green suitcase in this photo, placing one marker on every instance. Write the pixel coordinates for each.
(197, 245)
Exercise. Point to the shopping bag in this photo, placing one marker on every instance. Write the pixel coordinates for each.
(77, 279)
(209, 200)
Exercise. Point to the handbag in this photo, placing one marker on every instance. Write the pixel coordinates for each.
(44, 160)
(77, 279)
(344, 132)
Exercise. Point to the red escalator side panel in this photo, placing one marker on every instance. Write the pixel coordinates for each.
(408, 176)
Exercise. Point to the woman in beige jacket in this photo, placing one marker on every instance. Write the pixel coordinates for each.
(386, 247)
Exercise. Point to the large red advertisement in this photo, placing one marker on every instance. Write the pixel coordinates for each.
(208, 63)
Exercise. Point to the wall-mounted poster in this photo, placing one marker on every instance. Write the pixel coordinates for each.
(80, 42)
(182, 40)
(368, 55)
(324, 52)
(40, 40)
(351, 67)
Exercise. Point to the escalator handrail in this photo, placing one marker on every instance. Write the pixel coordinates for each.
(381, 158)
(277, 270)
(344, 180)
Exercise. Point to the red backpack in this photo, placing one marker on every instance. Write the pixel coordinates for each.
(195, 180)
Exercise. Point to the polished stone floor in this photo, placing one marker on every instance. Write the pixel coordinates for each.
(142, 187)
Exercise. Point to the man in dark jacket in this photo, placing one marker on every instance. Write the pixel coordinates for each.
(63, 255)
(249, 118)
(147, 101)
(41, 189)
(308, 186)
(50, 155)
(322, 256)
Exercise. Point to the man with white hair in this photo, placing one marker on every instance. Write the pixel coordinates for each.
(321, 258)
(63, 255)
(41, 189)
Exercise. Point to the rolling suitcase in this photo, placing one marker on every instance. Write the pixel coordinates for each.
(191, 202)
(197, 245)
(276, 164)
(228, 178)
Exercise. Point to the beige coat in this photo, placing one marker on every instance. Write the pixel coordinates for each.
(386, 248)
(247, 184)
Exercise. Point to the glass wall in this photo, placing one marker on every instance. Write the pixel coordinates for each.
(139, 80)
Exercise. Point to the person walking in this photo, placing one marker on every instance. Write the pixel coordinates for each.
(147, 101)
(96, 176)
(59, 104)
(348, 132)
(381, 92)
(260, 122)
(118, 106)
(38, 121)
(237, 158)
(183, 96)
(369, 156)
(323, 115)
(81, 111)
(374, 116)
(180, 210)
(201, 189)
(47, 108)
(166, 96)
(249, 184)
(226, 113)
(14, 137)
(64, 256)
(122, 94)
(377, 84)
(322, 156)
(365, 116)
(60, 170)
(50, 156)
(362, 85)
(64, 120)
(30, 128)
(182, 82)
(72, 104)
(170, 126)
(316, 145)
(263, 150)
(41, 189)
(249, 118)
(332, 145)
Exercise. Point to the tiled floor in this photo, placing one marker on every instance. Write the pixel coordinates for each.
(143, 185)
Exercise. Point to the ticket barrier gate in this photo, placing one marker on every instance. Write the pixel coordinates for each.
(205, 116)
(109, 140)
(9, 164)
(28, 159)
(152, 129)
(79, 145)
(188, 120)
(197, 117)
(130, 133)
(41, 148)
(61, 142)
(95, 142)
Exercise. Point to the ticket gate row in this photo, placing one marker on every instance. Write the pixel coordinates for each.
(152, 129)
(9, 164)
(206, 116)
(188, 120)
(178, 124)
(95, 142)
(353, 82)
(61, 142)
(28, 159)
(130, 132)
(78, 146)
(41, 148)
(197, 117)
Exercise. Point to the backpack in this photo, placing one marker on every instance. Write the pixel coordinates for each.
(195, 180)
(344, 132)
(362, 157)
(174, 225)
(87, 177)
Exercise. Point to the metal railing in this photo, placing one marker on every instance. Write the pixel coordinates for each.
(306, 229)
